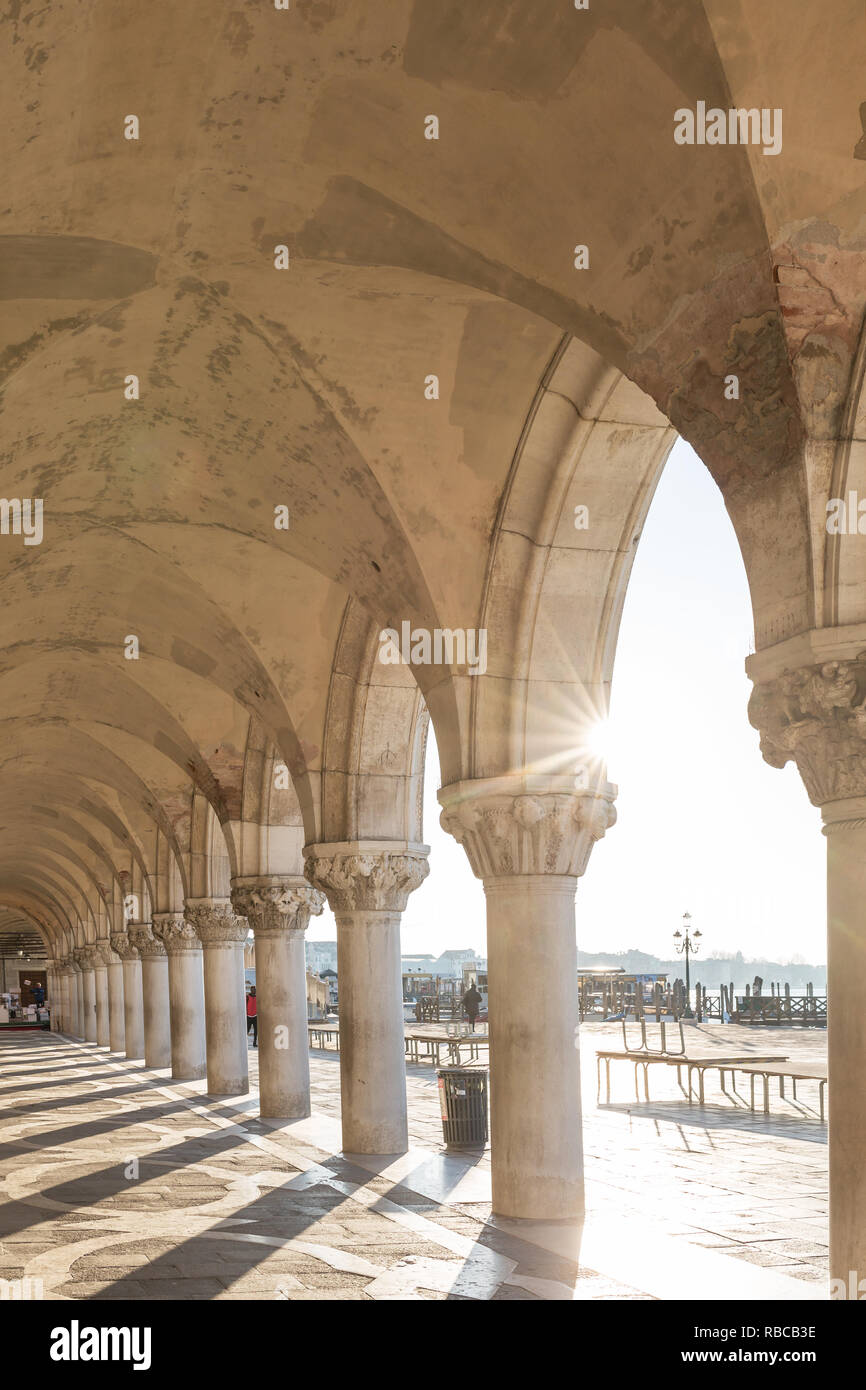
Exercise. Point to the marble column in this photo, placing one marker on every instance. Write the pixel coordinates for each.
(116, 1025)
(70, 997)
(367, 884)
(85, 961)
(133, 1001)
(52, 994)
(185, 994)
(154, 992)
(80, 1005)
(815, 716)
(278, 908)
(528, 838)
(222, 935)
(101, 958)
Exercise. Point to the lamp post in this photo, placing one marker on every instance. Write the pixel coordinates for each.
(689, 947)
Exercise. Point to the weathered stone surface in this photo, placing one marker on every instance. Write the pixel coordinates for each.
(274, 903)
(531, 825)
(216, 923)
(816, 717)
(366, 877)
(175, 932)
(142, 938)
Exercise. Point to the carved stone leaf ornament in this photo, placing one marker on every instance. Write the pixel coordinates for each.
(816, 717)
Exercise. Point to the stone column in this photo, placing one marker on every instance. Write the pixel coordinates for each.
(816, 716)
(278, 908)
(133, 1001)
(52, 993)
(85, 961)
(70, 996)
(116, 1028)
(528, 838)
(101, 958)
(185, 994)
(222, 935)
(80, 1011)
(154, 990)
(367, 884)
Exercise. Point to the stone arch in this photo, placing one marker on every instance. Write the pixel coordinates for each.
(374, 741)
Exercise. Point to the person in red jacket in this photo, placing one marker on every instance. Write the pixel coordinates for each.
(253, 1015)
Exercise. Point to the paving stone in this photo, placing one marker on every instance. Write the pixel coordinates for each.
(712, 1174)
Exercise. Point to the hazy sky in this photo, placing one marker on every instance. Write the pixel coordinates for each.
(704, 825)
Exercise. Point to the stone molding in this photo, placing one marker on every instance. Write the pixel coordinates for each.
(83, 957)
(366, 875)
(815, 716)
(175, 932)
(102, 955)
(141, 935)
(273, 903)
(527, 825)
(215, 922)
(847, 814)
(122, 946)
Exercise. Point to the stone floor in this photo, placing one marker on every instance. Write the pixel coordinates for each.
(116, 1183)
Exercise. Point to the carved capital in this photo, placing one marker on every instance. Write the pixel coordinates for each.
(275, 903)
(122, 946)
(526, 824)
(215, 922)
(366, 876)
(102, 955)
(815, 716)
(83, 957)
(175, 932)
(142, 937)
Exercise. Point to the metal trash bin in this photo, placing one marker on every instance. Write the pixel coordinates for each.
(463, 1103)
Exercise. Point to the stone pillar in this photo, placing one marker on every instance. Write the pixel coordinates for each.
(51, 993)
(528, 838)
(222, 935)
(816, 716)
(116, 1028)
(185, 994)
(101, 958)
(367, 884)
(154, 990)
(80, 1011)
(133, 1001)
(278, 908)
(66, 995)
(85, 960)
(70, 996)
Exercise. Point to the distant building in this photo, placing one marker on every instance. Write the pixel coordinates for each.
(321, 956)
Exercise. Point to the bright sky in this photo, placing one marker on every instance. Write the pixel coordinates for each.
(704, 825)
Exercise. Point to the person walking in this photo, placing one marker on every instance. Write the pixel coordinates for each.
(253, 1015)
(471, 1004)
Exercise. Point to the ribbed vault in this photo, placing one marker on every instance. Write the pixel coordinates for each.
(304, 389)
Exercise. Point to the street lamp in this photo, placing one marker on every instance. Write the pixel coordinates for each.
(690, 946)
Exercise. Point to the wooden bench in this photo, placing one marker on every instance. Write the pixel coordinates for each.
(793, 1072)
(422, 1047)
(645, 1056)
(419, 1047)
